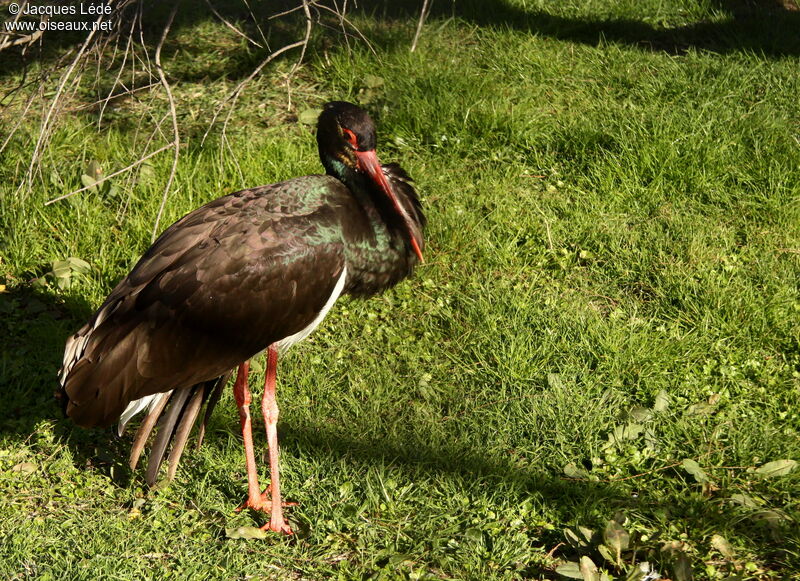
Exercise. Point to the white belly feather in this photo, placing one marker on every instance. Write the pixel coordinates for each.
(287, 342)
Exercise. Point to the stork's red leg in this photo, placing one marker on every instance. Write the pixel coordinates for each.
(269, 408)
(242, 394)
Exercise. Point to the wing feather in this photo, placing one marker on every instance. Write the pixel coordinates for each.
(217, 287)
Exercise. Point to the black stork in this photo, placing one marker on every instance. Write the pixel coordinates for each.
(255, 270)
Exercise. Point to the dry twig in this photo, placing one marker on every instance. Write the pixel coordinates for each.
(232, 27)
(422, 15)
(45, 131)
(122, 63)
(111, 175)
(234, 95)
(175, 133)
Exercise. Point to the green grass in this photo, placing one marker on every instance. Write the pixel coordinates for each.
(613, 192)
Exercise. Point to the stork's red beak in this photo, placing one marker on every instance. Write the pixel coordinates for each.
(368, 163)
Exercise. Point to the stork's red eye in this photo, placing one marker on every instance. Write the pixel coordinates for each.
(351, 138)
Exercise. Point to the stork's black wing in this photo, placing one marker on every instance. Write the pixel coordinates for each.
(217, 287)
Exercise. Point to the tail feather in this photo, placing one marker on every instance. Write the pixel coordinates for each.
(166, 428)
(135, 407)
(143, 433)
(174, 414)
(213, 398)
(185, 424)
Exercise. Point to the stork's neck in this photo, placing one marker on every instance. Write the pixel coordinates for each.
(377, 244)
(371, 200)
(341, 171)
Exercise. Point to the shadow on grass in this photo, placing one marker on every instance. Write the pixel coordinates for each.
(766, 27)
(35, 324)
(574, 502)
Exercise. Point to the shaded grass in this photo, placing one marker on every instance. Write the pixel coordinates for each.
(607, 224)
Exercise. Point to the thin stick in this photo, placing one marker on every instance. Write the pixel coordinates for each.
(552, 551)
(307, 37)
(21, 117)
(345, 20)
(176, 139)
(124, 93)
(255, 21)
(41, 82)
(231, 26)
(341, 12)
(119, 74)
(235, 93)
(46, 124)
(109, 176)
(422, 15)
(289, 11)
(27, 39)
(307, 12)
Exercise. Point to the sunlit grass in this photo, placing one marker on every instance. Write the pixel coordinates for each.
(611, 288)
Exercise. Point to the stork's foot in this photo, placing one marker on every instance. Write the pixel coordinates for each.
(262, 503)
(280, 526)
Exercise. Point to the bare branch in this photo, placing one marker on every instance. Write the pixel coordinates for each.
(255, 21)
(175, 134)
(20, 119)
(119, 75)
(345, 20)
(27, 39)
(288, 11)
(44, 133)
(423, 14)
(109, 176)
(307, 12)
(126, 92)
(124, 62)
(234, 95)
(232, 27)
